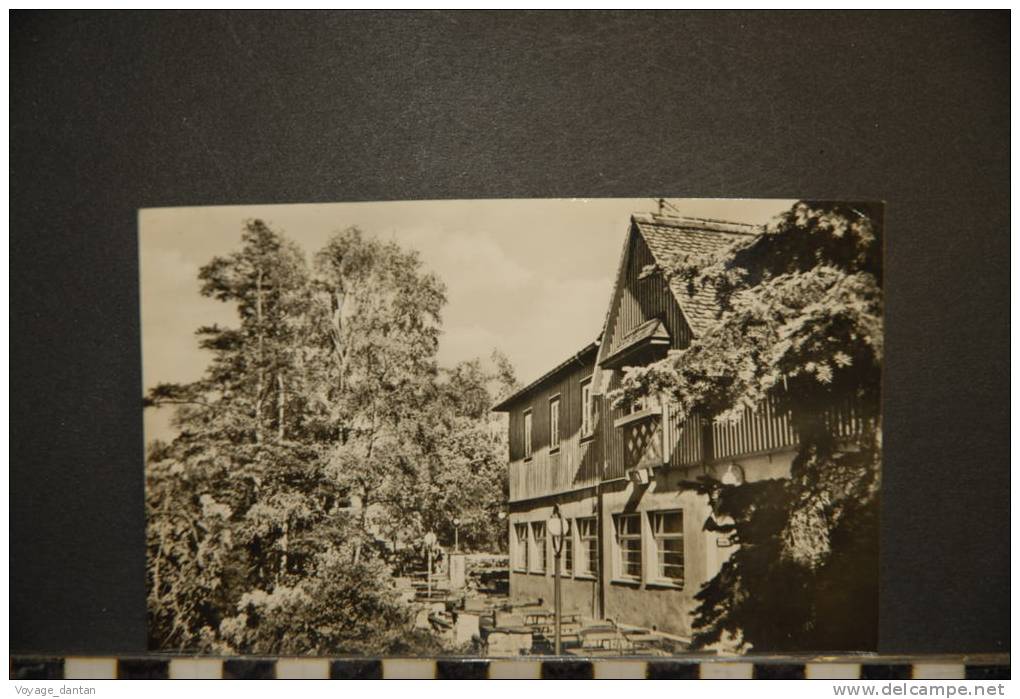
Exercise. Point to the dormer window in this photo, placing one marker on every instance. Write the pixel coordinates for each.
(645, 343)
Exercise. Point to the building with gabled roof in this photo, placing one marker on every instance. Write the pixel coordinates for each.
(637, 551)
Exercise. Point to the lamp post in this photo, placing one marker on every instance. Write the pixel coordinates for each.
(430, 542)
(557, 528)
(501, 516)
(456, 534)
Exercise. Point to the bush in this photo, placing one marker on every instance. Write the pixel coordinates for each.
(345, 609)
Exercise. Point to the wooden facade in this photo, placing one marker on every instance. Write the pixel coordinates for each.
(576, 463)
(636, 458)
(639, 298)
(659, 438)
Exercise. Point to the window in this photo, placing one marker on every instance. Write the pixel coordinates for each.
(536, 563)
(554, 423)
(567, 552)
(628, 546)
(521, 548)
(587, 546)
(668, 534)
(527, 435)
(587, 409)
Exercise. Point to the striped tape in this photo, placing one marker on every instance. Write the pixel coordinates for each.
(82, 668)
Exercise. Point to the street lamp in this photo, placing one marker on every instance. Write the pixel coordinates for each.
(557, 528)
(501, 516)
(456, 534)
(430, 543)
(734, 474)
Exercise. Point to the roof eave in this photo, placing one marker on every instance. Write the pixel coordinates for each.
(619, 358)
(576, 358)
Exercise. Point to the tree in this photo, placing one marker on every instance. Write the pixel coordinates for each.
(267, 281)
(314, 412)
(454, 462)
(379, 320)
(221, 495)
(800, 324)
(344, 608)
(243, 503)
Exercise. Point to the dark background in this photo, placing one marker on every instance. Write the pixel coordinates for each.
(113, 112)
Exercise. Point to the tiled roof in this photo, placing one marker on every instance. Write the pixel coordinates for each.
(671, 237)
(667, 237)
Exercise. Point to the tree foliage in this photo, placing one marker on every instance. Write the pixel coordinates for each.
(800, 325)
(456, 464)
(321, 417)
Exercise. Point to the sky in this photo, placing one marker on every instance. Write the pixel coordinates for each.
(531, 277)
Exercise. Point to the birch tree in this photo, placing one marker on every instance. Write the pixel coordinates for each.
(380, 313)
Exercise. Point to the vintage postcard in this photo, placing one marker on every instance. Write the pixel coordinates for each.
(501, 428)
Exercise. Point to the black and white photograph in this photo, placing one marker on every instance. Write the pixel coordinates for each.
(525, 427)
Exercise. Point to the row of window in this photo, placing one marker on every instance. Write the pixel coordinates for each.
(663, 560)
(587, 419)
(530, 553)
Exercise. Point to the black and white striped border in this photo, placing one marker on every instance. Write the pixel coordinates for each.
(82, 668)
